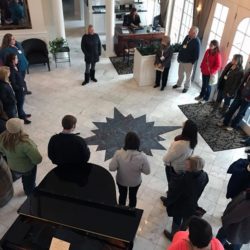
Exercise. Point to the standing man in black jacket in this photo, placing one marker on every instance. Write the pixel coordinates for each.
(67, 149)
(188, 55)
(91, 48)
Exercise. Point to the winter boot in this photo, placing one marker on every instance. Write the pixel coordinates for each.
(86, 79)
(92, 75)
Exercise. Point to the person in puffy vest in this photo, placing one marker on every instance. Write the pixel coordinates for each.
(240, 104)
(236, 222)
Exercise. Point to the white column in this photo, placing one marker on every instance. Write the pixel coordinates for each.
(110, 27)
(57, 13)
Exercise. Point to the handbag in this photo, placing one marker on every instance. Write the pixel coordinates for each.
(213, 79)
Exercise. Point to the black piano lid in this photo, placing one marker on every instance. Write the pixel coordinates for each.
(100, 219)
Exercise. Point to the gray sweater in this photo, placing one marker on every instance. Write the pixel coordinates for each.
(129, 165)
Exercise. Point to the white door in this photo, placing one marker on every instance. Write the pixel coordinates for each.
(220, 18)
(240, 38)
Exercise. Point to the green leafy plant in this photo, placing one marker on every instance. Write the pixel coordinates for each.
(148, 50)
(57, 45)
(176, 47)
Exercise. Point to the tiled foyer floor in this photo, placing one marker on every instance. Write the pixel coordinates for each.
(59, 92)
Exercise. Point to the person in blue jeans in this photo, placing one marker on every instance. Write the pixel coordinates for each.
(229, 82)
(240, 103)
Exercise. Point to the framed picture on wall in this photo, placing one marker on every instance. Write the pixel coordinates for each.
(14, 14)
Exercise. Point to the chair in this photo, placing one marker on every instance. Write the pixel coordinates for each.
(36, 52)
(129, 49)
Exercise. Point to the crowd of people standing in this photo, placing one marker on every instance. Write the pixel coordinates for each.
(185, 174)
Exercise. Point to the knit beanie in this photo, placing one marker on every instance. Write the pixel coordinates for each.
(14, 125)
(196, 163)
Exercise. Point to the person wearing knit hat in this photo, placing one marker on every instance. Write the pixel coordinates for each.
(21, 153)
(184, 193)
(14, 125)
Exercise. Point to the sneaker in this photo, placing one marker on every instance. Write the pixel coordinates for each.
(176, 86)
(198, 98)
(220, 124)
(168, 235)
(202, 101)
(162, 88)
(247, 151)
(156, 86)
(184, 90)
(27, 121)
(229, 128)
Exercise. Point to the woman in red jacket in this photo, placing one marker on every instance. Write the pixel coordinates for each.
(210, 65)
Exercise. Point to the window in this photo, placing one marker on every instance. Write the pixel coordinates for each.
(218, 23)
(182, 20)
(242, 40)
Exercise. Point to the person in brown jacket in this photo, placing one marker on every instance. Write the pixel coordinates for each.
(229, 82)
(236, 222)
(241, 103)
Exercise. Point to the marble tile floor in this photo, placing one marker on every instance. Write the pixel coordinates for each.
(59, 92)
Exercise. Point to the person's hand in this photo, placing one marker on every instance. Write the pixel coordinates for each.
(228, 95)
(162, 58)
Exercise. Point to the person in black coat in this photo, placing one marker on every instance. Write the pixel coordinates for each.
(229, 82)
(7, 95)
(68, 150)
(133, 19)
(183, 195)
(17, 83)
(163, 61)
(91, 48)
(240, 178)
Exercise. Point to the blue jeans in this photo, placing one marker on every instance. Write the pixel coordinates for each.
(20, 101)
(222, 237)
(240, 104)
(28, 180)
(206, 88)
(221, 96)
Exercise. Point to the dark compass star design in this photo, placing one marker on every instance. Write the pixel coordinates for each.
(110, 135)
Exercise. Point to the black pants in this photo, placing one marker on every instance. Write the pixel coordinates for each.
(20, 102)
(180, 223)
(23, 73)
(132, 195)
(28, 180)
(163, 75)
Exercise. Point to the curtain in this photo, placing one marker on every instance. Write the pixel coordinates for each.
(164, 10)
(200, 17)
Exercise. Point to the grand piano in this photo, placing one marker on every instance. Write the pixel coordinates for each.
(77, 206)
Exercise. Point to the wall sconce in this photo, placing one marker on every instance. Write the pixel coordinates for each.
(199, 8)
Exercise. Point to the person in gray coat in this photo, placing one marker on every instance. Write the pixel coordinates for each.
(129, 163)
(163, 61)
(236, 222)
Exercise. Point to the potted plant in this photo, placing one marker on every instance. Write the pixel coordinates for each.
(176, 47)
(57, 45)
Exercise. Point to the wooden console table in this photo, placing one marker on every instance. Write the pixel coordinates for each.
(121, 38)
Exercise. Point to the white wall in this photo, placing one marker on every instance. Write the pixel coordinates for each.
(39, 29)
